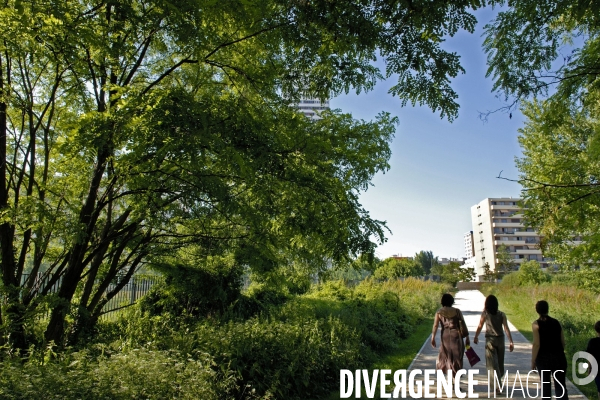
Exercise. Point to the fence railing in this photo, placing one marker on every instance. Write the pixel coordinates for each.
(131, 292)
(135, 289)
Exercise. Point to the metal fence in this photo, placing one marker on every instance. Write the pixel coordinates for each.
(133, 290)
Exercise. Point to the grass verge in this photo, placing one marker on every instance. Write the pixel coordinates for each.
(401, 357)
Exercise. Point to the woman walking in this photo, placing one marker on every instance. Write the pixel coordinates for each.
(494, 321)
(454, 329)
(548, 353)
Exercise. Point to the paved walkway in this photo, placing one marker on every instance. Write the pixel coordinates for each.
(471, 303)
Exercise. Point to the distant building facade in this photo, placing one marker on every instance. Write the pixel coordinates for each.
(469, 245)
(499, 221)
(448, 260)
(312, 107)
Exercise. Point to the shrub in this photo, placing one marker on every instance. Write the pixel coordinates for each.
(193, 291)
(291, 350)
(531, 272)
(392, 268)
(130, 374)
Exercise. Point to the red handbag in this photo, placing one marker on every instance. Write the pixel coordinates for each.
(472, 356)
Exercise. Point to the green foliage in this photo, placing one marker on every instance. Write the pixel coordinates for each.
(159, 126)
(453, 272)
(488, 274)
(426, 260)
(393, 268)
(127, 374)
(560, 174)
(193, 291)
(513, 279)
(531, 273)
(291, 350)
(531, 46)
(585, 278)
(505, 263)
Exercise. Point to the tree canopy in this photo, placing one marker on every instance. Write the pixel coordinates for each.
(538, 47)
(426, 260)
(393, 268)
(133, 131)
(453, 273)
(550, 50)
(559, 171)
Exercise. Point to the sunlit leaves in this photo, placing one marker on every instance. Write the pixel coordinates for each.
(560, 171)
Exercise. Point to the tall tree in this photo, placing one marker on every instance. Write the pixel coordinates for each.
(426, 260)
(560, 169)
(129, 130)
(536, 48)
(505, 261)
(453, 273)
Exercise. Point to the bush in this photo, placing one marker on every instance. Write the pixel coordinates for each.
(293, 350)
(511, 280)
(392, 268)
(585, 278)
(130, 374)
(531, 272)
(193, 291)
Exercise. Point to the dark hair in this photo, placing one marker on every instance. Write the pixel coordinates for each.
(541, 307)
(447, 300)
(491, 304)
(597, 326)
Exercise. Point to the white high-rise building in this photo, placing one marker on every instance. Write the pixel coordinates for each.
(312, 107)
(469, 248)
(498, 221)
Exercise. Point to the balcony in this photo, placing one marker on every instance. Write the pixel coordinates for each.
(528, 251)
(504, 207)
(509, 242)
(510, 214)
(526, 233)
(507, 225)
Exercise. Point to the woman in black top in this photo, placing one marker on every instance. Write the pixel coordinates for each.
(548, 354)
(593, 348)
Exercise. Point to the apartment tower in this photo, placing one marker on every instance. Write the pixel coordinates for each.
(498, 221)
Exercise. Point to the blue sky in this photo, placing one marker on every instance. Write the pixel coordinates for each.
(440, 169)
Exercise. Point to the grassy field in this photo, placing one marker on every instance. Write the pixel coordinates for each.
(576, 309)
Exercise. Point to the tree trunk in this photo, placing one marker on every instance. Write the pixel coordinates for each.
(87, 217)
(15, 313)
